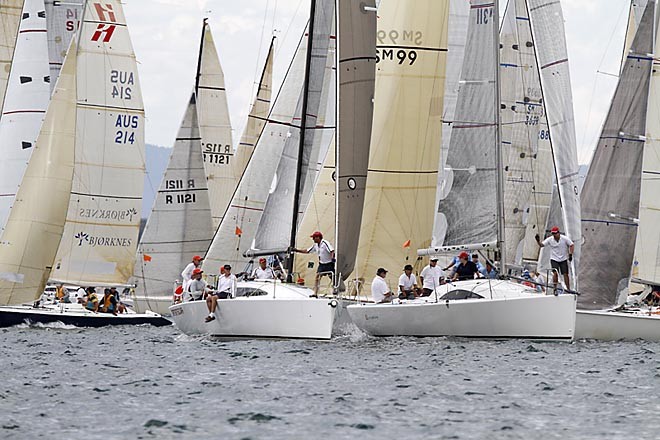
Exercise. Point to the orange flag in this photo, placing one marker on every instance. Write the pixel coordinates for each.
(146, 257)
(238, 231)
(406, 244)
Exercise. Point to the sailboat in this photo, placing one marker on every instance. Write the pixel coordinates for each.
(471, 214)
(180, 223)
(73, 220)
(271, 308)
(620, 201)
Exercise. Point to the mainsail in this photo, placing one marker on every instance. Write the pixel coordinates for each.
(611, 192)
(63, 21)
(215, 127)
(26, 99)
(10, 17)
(179, 225)
(34, 228)
(100, 236)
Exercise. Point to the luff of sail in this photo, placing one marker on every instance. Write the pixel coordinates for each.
(357, 74)
(611, 190)
(258, 114)
(179, 225)
(468, 204)
(100, 237)
(548, 29)
(10, 17)
(406, 133)
(215, 127)
(34, 228)
(63, 21)
(26, 99)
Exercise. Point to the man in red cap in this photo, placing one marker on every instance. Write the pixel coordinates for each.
(197, 288)
(263, 272)
(186, 275)
(326, 255)
(466, 269)
(561, 254)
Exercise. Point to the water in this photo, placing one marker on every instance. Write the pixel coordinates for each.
(145, 382)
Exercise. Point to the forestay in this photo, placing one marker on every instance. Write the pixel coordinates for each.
(26, 99)
(10, 17)
(179, 225)
(100, 237)
(34, 229)
(63, 20)
(611, 192)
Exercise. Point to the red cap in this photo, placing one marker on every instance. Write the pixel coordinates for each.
(463, 255)
(554, 229)
(196, 271)
(197, 258)
(262, 259)
(316, 234)
(179, 290)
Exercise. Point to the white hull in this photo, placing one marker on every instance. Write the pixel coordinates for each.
(526, 316)
(284, 312)
(158, 304)
(606, 325)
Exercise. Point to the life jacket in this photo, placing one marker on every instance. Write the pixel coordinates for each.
(91, 299)
(59, 292)
(108, 306)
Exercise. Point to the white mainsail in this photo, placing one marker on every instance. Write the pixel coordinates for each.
(258, 114)
(549, 37)
(26, 99)
(100, 237)
(179, 225)
(63, 21)
(10, 18)
(34, 228)
(611, 192)
(215, 127)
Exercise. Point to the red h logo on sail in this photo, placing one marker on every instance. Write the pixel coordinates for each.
(105, 13)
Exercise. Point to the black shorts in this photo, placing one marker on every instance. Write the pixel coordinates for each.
(222, 295)
(326, 267)
(561, 266)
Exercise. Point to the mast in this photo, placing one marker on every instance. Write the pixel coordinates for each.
(498, 141)
(199, 57)
(337, 82)
(301, 145)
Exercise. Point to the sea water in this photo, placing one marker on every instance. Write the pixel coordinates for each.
(144, 382)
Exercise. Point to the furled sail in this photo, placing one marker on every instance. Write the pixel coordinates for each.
(100, 237)
(258, 114)
(406, 133)
(26, 99)
(215, 127)
(34, 228)
(611, 192)
(179, 225)
(468, 203)
(357, 74)
(549, 37)
(63, 21)
(10, 18)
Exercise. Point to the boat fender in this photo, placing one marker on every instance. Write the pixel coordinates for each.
(333, 303)
(447, 302)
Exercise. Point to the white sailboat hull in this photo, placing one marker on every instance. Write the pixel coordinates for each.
(607, 325)
(157, 304)
(530, 316)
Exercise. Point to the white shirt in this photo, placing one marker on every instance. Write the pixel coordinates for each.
(406, 282)
(379, 289)
(432, 276)
(227, 284)
(559, 248)
(186, 275)
(541, 280)
(263, 274)
(324, 249)
(195, 289)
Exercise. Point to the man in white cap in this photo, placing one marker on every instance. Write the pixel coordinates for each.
(562, 249)
(431, 277)
(380, 291)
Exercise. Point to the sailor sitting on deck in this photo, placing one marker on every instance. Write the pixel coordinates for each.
(408, 288)
(197, 288)
(431, 276)
(121, 307)
(226, 290)
(380, 291)
(466, 270)
(110, 303)
(90, 301)
(263, 271)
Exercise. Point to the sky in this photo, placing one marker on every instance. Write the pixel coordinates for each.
(166, 35)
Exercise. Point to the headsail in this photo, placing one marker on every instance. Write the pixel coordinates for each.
(179, 225)
(26, 99)
(611, 191)
(100, 236)
(10, 17)
(63, 21)
(34, 229)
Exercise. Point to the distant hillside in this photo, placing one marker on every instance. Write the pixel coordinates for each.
(157, 159)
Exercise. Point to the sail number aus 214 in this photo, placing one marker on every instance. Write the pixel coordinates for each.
(126, 126)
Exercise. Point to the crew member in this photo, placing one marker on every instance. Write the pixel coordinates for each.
(186, 275)
(431, 276)
(226, 290)
(326, 255)
(263, 271)
(562, 249)
(380, 291)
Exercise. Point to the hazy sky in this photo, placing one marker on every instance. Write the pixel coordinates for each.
(166, 36)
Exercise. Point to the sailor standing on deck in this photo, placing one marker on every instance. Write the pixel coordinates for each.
(187, 273)
(562, 253)
(326, 255)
